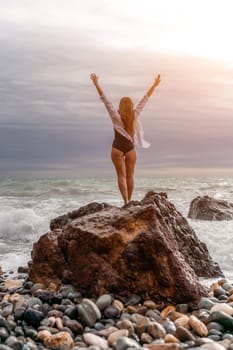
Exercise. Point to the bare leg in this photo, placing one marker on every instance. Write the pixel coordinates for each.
(130, 161)
(118, 160)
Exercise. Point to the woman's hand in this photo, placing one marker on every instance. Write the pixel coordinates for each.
(155, 84)
(157, 80)
(94, 78)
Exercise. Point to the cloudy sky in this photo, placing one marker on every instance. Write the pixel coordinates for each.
(52, 122)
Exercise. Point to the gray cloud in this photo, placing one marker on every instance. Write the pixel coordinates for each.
(51, 116)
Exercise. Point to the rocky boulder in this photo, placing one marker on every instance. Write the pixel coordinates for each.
(146, 248)
(208, 208)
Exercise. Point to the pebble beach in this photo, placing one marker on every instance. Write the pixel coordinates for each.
(35, 317)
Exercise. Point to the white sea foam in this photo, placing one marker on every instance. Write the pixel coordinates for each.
(218, 236)
(19, 224)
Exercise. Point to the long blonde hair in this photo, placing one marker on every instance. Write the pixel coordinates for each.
(126, 112)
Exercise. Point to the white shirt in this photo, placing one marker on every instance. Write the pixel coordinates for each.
(119, 126)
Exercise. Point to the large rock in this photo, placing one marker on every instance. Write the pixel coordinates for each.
(146, 247)
(207, 208)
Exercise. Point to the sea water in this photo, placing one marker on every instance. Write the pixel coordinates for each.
(27, 206)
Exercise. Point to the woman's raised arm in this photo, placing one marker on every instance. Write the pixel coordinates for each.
(94, 78)
(155, 84)
(144, 100)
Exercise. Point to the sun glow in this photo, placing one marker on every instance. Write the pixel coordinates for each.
(200, 28)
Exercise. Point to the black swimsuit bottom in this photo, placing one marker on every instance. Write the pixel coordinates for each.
(122, 143)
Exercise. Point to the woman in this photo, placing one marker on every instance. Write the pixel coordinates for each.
(128, 133)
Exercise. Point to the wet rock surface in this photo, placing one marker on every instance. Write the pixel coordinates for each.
(145, 248)
(208, 208)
